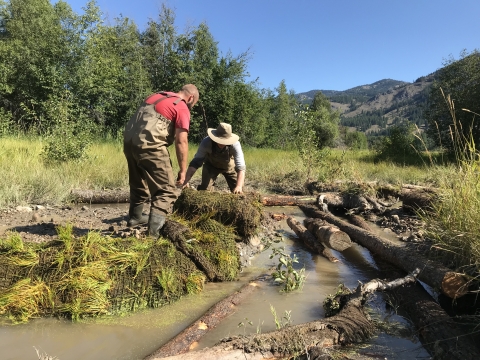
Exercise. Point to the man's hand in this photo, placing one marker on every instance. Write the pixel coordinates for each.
(240, 181)
(180, 179)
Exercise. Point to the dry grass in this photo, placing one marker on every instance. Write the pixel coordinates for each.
(28, 180)
(454, 224)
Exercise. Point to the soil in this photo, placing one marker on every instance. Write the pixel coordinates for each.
(37, 223)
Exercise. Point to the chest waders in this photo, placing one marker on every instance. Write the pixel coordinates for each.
(219, 161)
(146, 138)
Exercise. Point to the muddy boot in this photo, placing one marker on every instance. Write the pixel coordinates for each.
(136, 216)
(155, 223)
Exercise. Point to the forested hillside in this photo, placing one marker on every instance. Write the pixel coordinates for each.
(372, 108)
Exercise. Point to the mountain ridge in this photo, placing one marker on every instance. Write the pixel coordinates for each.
(372, 108)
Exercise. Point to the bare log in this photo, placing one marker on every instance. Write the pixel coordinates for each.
(350, 325)
(286, 200)
(439, 277)
(100, 196)
(219, 353)
(188, 338)
(309, 240)
(418, 198)
(375, 203)
(437, 331)
(359, 221)
(344, 200)
(328, 234)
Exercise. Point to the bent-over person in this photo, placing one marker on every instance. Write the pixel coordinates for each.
(161, 120)
(219, 153)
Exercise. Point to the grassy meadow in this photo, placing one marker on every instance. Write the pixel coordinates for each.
(455, 224)
(28, 179)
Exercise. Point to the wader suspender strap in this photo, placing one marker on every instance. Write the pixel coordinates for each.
(166, 96)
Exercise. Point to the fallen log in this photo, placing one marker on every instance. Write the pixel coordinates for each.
(286, 200)
(328, 235)
(344, 200)
(375, 203)
(358, 221)
(189, 337)
(309, 240)
(350, 325)
(437, 331)
(218, 354)
(414, 199)
(439, 277)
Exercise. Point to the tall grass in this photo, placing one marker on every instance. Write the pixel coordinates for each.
(27, 179)
(455, 222)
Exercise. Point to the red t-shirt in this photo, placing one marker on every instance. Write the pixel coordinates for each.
(179, 113)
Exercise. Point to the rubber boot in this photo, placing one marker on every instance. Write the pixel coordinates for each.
(136, 216)
(155, 223)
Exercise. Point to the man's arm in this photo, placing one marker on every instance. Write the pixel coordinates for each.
(197, 161)
(240, 180)
(181, 148)
(190, 172)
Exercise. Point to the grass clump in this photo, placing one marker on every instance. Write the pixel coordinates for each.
(454, 223)
(243, 213)
(217, 243)
(93, 275)
(26, 299)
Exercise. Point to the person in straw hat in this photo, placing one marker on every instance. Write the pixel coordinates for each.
(219, 153)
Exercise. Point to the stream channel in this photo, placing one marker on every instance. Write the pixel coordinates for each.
(138, 335)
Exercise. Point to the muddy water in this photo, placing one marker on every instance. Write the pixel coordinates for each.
(138, 335)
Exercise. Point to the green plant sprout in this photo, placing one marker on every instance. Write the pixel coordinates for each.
(285, 273)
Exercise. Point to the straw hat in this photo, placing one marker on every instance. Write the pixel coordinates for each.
(223, 134)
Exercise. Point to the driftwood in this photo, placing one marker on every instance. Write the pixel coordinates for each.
(328, 235)
(434, 274)
(376, 204)
(437, 331)
(309, 240)
(286, 200)
(414, 199)
(344, 200)
(359, 221)
(350, 325)
(188, 338)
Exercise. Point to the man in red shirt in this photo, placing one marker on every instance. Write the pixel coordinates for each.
(162, 119)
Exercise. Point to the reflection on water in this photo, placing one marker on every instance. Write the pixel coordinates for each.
(140, 334)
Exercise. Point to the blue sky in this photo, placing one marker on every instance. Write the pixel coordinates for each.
(324, 44)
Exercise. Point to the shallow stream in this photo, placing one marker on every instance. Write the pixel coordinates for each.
(138, 335)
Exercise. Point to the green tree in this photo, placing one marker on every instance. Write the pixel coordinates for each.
(160, 50)
(111, 79)
(326, 120)
(33, 58)
(356, 140)
(306, 141)
(459, 79)
(282, 118)
(399, 145)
